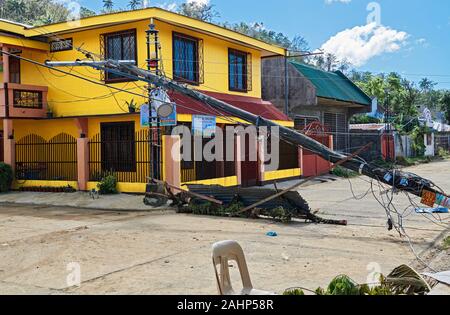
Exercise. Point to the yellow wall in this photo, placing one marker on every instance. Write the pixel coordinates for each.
(44, 128)
(69, 96)
(269, 176)
(225, 181)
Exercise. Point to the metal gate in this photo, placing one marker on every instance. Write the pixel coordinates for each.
(38, 159)
(127, 158)
(313, 164)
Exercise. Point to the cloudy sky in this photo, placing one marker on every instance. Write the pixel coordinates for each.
(408, 36)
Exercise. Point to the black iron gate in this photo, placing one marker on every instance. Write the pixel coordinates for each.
(38, 159)
(126, 156)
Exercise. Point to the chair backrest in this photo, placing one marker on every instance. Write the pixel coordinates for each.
(226, 251)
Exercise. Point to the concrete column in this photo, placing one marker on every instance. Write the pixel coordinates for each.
(83, 163)
(238, 158)
(5, 60)
(82, 153)
(300, 158)
(331, 142)
(261, 147)
(9, 144)
(172, 160)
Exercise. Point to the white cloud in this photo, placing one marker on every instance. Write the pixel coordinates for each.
(341, 1)
(201, 2)
(360, 44)
(169, 6)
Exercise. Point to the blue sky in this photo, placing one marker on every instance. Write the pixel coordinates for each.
(413, 37)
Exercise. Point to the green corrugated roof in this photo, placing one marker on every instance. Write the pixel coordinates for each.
(333, 85)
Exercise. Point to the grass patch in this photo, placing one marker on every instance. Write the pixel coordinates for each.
(343, 172)
(446, 243)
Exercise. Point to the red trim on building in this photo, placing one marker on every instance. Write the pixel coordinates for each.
(187, 105)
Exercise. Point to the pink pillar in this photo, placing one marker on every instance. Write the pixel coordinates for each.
(83, 163)
(5, 59)
(238, 159)
(172, 160)
(300, 158)
(82, 153)
(9, 144)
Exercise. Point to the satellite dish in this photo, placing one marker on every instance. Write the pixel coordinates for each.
(165, 110)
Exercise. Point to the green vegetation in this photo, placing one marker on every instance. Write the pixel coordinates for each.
(6, 177)
(294, 292)
(108, 185)
(446, 243)
(406, 162)
(443, 154)
(344, 285)
(37, 12)
(343, 172)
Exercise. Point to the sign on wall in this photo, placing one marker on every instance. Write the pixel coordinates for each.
(204, 126)
(61, 45)
(150, 118)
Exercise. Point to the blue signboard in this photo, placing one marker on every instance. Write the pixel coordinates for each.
(204, 126)
(145, 115)
(148, 120)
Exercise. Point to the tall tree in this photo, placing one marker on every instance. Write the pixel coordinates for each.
(329, 62)
(108, 5)
(36, 12)
(445, 104)
(199, 10)
(135, 4)
(259, 31)
(85, 12)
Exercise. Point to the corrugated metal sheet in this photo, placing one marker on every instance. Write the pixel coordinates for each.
(333, 85)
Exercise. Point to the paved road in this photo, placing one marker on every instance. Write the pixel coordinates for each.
(168, 253)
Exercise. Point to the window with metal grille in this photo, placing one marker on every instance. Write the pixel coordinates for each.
(238, 72)
(27, 99)
(337, 124)
(14, 70)
(118, 147)
(187, 65)
(301, 122)
(119, 46)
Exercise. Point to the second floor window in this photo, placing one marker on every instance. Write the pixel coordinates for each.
(119, 46)
(186, 58)
(238, 74)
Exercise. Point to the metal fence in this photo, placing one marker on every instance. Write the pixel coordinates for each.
(203, 170)
(38, 159)
(442, 141)
(128, 160)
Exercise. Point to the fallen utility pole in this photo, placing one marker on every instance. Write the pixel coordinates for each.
(400, 181)
(200, 196)
(307, 180)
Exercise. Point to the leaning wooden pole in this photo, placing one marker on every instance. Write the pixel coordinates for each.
(400, 181)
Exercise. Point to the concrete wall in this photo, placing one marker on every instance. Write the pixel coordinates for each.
(429, 144)
(301, 91)
(403, 146)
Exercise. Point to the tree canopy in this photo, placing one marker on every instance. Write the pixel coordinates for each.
(37, 12)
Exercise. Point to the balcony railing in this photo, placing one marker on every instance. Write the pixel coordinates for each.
(23, 101)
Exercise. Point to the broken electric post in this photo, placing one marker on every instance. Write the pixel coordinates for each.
(400, 181)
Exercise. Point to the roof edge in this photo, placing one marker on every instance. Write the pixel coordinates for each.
(158, 13)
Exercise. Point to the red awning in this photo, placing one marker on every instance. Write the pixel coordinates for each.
(187, 105)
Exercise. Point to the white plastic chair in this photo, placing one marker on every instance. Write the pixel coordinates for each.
(226, 251)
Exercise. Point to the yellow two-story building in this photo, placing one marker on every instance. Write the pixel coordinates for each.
(72, 127)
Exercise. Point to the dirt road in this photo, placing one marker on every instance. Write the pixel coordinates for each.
(167, 253)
